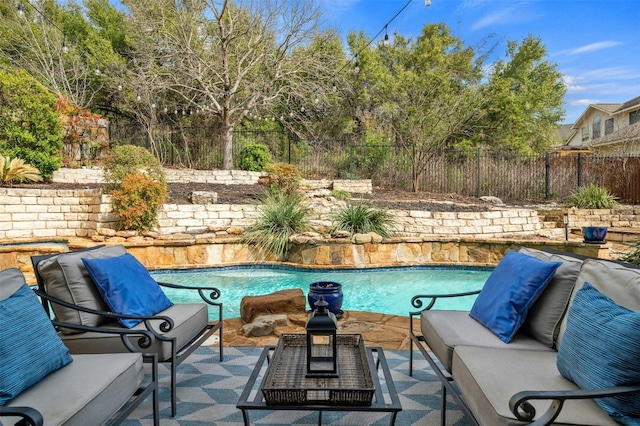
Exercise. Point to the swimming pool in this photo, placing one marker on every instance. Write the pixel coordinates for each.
(382, 290)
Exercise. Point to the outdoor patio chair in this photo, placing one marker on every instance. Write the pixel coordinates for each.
(69, 294)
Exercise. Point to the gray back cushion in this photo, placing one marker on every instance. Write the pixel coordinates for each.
(544, 318)
(11, 280)
(66, 278)
(616, 281)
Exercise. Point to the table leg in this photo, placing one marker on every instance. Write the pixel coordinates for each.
(392, 421)
(245, 417)
(319, 417)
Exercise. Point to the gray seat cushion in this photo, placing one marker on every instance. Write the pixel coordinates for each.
(481, 373)
(86, 392)
(445, 330)
(189, 320)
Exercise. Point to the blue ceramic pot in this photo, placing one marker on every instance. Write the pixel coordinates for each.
(332, 293)
(594, 234)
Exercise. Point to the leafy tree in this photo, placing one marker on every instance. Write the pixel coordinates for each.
(525, 99)
(429, 96)
(29, 125)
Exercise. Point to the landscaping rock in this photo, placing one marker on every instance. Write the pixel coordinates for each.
(204, 197)
(279, 302)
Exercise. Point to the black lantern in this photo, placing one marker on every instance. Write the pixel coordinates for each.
(322, 355)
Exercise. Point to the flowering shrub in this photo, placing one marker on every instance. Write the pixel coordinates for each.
(137, 201)
(283, 177)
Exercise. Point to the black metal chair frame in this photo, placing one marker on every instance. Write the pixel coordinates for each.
(518, 403)
(178, 355)
(31, 417)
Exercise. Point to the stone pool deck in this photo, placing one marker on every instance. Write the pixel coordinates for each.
(388, 331)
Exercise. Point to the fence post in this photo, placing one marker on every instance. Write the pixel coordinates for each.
(478, 174)
(547, 176)
(579, 169)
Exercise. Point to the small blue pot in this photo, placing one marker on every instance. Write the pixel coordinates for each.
(594, 234)
(332, 293)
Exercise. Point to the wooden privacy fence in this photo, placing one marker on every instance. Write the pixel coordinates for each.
(471, 173)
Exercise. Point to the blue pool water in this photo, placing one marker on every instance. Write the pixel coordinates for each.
(382, 290)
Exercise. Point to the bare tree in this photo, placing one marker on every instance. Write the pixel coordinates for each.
(227, 58)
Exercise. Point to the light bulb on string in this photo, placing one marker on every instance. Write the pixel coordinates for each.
(65, 48)
(153, 105)
(97, 70)
(120, 87)
(356, 69)
(335, 86)
(165, 109)
(138, 98)
(21, 10)
(386, 37)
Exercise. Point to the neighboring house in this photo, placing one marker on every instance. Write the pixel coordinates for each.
(607, 129)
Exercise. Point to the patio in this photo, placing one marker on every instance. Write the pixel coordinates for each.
(208, 391)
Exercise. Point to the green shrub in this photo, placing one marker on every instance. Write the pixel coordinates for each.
(30, 127)
(281, 215)
(283, 177)
(359, 218)
(340, 194)
(633, 255)
(255, 157)
(137, 201)
(124, 160)
(592, 197)
(16, 170)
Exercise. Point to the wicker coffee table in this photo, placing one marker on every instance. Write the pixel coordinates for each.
(278, 380)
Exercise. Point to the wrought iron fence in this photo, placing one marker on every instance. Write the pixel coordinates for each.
(469, 173)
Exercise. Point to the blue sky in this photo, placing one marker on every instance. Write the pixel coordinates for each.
(595, 43)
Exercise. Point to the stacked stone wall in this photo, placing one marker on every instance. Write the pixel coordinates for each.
(625, 217)
(226, 177)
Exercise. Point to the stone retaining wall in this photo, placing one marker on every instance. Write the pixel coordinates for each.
(624, 217)
(227, 177)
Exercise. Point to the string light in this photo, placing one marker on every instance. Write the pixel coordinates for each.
(386, 38)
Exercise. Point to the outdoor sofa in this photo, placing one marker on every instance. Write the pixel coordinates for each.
(100, 287)
(42, 384)
(573, 354)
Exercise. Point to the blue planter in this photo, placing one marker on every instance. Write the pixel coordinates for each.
(594, 234)
(332, 293)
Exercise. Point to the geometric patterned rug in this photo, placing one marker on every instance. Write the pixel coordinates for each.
(208, 390)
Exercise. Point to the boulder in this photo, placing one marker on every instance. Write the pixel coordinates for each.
(279, 302)
(204, 197)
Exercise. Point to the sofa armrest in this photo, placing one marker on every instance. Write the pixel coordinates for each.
(165, 325)
(30, 416)
(417, 302)
(524, 411)
(213, 295)
(145, 337)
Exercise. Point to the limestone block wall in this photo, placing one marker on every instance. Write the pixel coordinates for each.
(623, 217)
(44, 213)
(96, 175)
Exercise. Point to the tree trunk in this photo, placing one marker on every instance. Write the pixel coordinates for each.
(227, 144)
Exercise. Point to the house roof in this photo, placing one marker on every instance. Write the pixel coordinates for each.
(635, 102)
(606, 108)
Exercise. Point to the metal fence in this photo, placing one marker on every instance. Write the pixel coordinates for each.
(469, 173)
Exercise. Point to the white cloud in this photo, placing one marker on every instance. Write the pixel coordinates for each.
(595, 46)
(515, 13)
(584, 102)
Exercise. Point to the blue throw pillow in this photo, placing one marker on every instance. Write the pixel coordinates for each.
(30, 348)
(600, 348)
(511, 289)
(126, 287)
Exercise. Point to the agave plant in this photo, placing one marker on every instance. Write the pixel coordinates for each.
(360, 218)
(15, 169)
(592, 197)
(282, 215)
